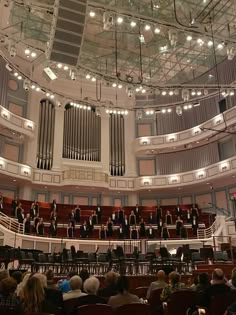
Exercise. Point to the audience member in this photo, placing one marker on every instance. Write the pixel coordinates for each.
(8, 298)
(64, 285)
(22, 284)
(110, 285)
(84, 275)
(75, 284)
(17, 275)
(50, 280)
(174, 285)
(123, 296)
(160, 283)
(232, 282)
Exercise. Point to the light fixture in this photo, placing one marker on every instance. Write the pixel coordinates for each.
(37, 89)
(33, 54)
(33, 86)
(210, 43)
(133, 23)
(137, 89)
(231, 93)
(120, 20)
(142, 39)
(59, 65)
(15, 74)
(27, 51)
(114, 84)
(193, 92)
(147, 27)
(190, 106)
(200, 41)
(163, 110)
(189, 38)
(93, 79)
(220, 46)
(199, 92)
(171, 92)
(51, 75)
(143, 91)
(169, 110)
(92, 14)
(88, 76)
(66, 68)
(120, 86)
(19, 77)
(163, 93)
(157, 30)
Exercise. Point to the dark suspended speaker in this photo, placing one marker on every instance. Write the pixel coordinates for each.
(222, 105)
(67, 31)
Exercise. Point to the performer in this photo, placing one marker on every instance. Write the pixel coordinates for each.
(102, 232)
(40, 228)
(160, 227)
(150, 232)
(36, 221)
(194, 211)
(14, 205)
(26, 223)
(132, 218)
(54, 205)
(94, 218)
(142, 228)
(168, 218)
(99, 213)
(90, 225)
(72, 216)
(165, 232)
(137, 213)
(178, 211)
(18, 210)
(70, 230)
(84, 230)
(20, 215)
(183, 232)
(77, 213)
(178, 224)
(53, 229)
(151, 219)
(121, 232)
(158, 213)
(121, 215)
(109, 227)
(188, 216)
(133, 233)
(195, 225)
(53, 216)
(126, 227)
(114, 217)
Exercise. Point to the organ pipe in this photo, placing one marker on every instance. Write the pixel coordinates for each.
(82, 134)
(46, 135)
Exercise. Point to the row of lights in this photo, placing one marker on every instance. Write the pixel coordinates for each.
(80, 106)
(117, 112)
(201, 42)
(30, 53)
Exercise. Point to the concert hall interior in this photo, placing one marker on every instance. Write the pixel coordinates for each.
(118, 156)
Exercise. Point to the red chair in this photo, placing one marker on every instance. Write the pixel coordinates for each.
(221, 302)
(141, 292)
(155, 301)
(180, 301)
(69, 305)
(94, 309)
(134, 309)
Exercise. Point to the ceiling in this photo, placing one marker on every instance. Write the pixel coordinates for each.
(165, 57)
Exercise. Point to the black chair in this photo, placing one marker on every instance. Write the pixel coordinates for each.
(98, 309)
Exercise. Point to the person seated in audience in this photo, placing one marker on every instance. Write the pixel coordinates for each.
(188, 216)
(70, 230)
(14, 205)
(75, 285)
(160, 226)
(54, 205)
(110, 288)
(83, 230)
(158, 214)
(91, 286)
(121, 232)
(217, 287)
(109, 227)
(26, 223)
(134, 233)
(17, 275)
(178, 211)
(53, 216)
(195, 225)
(40, 228)
(84, 275)
(183, 232)
(232, 282)
(160, 283)
(151, 219)
(53, 229)
(178, 225)
(36, 221)
(126, 226)
(173, 286)
(123, 296)
(137, 213)
(8, 298)
(90, 225)
(168, 218)
(20, 215)
(113, 217)
(94, 218)
(194, 211)
(72, 216)
(121, 215)
(64, 285)
(20, 288)
(99, 213)
(142, 228)
(77, 213)
(132, 218)
(150, 233)
(102, 232)
(50, 279)
(165, 232)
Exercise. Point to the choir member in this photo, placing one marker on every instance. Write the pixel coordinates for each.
(178, 211)
(168, 218)
(142, 228)
(99, 213)
(54, 205)
(195, 225)
(102, 232)
(132, 218)
(77, 213)
(83, 230)
(14, 205)
(109, 227)
(121, 232)
(178, 224)
(1, 203)
(18, 210)
(188, 216)
(165, 232)
(113, 217)
(53, 229)
(150, 233)
(26, 223)
(94, 218)
(133, 233)
(126, 226)
(70, 230)
(160, 226)
(40, 227)
(72, 217)
(53, 216)
(151, 219)
(183, 232)
(36, 221)
(158, 213)
(194, 211)
(20, 215)
(120, 215)
(90, 225)
(137, 213)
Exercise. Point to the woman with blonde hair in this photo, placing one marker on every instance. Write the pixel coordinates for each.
(33, 296)
(232, 282)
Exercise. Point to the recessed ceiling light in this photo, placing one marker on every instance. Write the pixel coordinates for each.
(157, 30)
(59, 65)
(27, 51)
(120, 86)
(220, 46)
(189, 37)
(120, 20)
(92, 14)
(133, 23)
(147, 27)
(66, 68)
(33, 54)
(210, 43)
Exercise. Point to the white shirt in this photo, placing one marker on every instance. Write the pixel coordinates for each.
(113, 216)
(73, 294)
(150, 231)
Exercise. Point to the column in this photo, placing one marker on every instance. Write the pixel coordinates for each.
(105, 141)
(58, 138)
(130, 158)
(25, 192)
(133, 199)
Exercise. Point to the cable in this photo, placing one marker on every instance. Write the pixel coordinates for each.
(177, 19)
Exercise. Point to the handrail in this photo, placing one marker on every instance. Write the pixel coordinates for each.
(208, 232)
(11, 224)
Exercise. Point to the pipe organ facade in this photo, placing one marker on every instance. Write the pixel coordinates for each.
(46, 135)
(82, 134)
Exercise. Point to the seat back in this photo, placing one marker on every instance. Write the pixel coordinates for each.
(98, 309)
(221, 302)
(69, 305)
(155, 301)
(141, 292)
(180, 301)
(133, 308)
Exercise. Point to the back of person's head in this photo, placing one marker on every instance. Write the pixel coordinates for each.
(42, 278)
(17, 275)
(122, 284)
(8, 286)
(161, 275)
(111, 278)
(203, 278)
(33, 295)
(72, 274)
(84, 274)
(4, 274)
(91, 285)
(218, 275)
(50, 275)
(174, 277)
(75, 283)
(233, 277)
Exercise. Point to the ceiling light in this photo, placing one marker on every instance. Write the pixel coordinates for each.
(189, 37)
(142, 39)
(157, 30)
(88, 76)
(220, 46)
(19, 77)
(210, 43)
(143, 91)
(93, 79)
(169, 110)
(66, 68)
(133, 23)
(120, 86)
(16, 74)
(37, 89)
(27, 51)
(193, 92)
(92, 14)
(163, 110)
(199, 92)
(107, 111)
(33, 54)
(231, 93)
(52, 96)
(200, 41)
(185, 107)
(48, 94)
(163, 93)
(190, 106)
(126, 112)
(59, 65)
(33, 86)
(137, 89)
(147, 27)
(120, 20)
(114, 84)
(171, 93)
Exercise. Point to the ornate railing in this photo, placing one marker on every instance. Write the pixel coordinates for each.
(11, 224)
